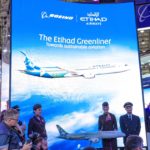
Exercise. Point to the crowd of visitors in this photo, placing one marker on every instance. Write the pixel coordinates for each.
(12, 130)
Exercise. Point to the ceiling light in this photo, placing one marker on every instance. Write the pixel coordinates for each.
(142, 31)
(5, 50)
(143, 42)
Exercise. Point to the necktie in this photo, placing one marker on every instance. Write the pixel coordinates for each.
(130, 117)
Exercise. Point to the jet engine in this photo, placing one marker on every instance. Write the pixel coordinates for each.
(89, 75)
(94, 140)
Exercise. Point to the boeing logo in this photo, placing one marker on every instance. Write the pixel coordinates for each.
(93, 18)
(143, 12)
(45, 15)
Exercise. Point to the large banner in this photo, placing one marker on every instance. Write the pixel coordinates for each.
(70, 58)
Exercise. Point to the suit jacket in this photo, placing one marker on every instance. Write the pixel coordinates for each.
(147, 119)
(107, 125)
(9, 138)
(37, 126)
(130, 126)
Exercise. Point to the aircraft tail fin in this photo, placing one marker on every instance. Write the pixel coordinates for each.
(62, 132)
(28, 63)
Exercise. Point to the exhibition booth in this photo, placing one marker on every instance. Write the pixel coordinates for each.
(71, 58)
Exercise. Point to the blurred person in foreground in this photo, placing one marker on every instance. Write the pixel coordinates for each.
(37, 125)
(129, 123)
(107, 122)
(9, 140)
(147, 123)
(20, 127)
(134, 142)
(89, 148)
(147, 118)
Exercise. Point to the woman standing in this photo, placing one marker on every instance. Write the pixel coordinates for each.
(37, 124)
(107, 122)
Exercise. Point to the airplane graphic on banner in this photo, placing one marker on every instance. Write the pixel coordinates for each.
(93, 137)
(58, 72)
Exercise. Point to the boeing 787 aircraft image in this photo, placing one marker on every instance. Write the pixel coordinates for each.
(58, 72)
(93, 137)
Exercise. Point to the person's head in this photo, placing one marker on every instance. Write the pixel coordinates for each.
(134, 142)
(11, 117)
(37, 108)
(89, 148)
(105, 107)
(16, 107)
(128, 107)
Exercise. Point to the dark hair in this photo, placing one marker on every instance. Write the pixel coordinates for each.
(37, 106)
(89, 148)
(133, 142)
(105, 104)
(16, 107)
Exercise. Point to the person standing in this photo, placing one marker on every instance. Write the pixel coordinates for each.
(147, 123)
(147, 118)
(37, 124)
(9, 140)
(107, 122)
(129, 123)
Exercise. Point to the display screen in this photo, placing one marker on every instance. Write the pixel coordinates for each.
(70, 58)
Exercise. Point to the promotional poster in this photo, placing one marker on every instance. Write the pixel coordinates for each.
(70, 58)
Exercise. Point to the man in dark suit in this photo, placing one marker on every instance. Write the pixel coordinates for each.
(130, 124)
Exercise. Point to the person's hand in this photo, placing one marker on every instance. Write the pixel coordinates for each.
(27, 146)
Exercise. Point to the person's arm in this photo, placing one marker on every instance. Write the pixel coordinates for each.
(99, 123)
(115, 123)
(122, 124)
(138, 126)
(30, 128)
(4, 141)
(146, 120)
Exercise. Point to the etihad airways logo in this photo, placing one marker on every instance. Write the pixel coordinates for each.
(93, 18)
(45, 15)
